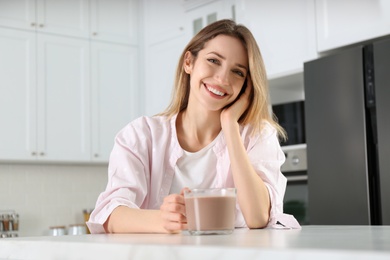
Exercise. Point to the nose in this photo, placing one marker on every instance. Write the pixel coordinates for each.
(222, 76)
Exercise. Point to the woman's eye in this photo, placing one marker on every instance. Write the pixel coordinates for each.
(239, 73)
(213, 61)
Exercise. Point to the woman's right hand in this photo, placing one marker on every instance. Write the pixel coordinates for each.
(173, 212)
(231, 114)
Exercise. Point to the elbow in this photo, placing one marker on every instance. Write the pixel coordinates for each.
(261, 221)
(257, 225)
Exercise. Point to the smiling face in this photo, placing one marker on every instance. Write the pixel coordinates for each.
(217, 73)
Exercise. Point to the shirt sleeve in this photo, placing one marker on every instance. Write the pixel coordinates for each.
(267, 157)
(127, 179)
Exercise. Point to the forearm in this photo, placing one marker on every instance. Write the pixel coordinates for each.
(252, 193)
(128, 220)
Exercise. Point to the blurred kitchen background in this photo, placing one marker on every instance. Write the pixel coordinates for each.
(73, 73)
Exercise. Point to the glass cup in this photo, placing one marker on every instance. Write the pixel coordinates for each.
(210, 211)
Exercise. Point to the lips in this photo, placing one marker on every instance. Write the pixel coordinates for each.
(215, 91)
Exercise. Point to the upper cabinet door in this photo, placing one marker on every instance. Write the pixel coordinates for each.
(161, 60)
(18, 14)
(17, 94)
(114, 94)
(199, 14)
(63, 98)
(115, 21)
(284, 31)
(63, 17)
(340, 23)
(165, 39)
(163, 21)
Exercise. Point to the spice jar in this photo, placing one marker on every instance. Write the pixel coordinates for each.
(77, 229)
(14, 222)
(57, 231)
(5, 220)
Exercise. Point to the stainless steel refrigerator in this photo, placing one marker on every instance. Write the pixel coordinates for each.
(347, 113)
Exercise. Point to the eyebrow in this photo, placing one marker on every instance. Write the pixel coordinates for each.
(223, 57)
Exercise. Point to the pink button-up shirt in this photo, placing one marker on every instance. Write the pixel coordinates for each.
(142, 166)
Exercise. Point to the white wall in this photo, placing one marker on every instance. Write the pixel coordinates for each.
(49, 195)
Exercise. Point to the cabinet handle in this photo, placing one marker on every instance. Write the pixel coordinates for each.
(33, 24)
(96, 155)
(41, 25)
(42, 154)
(33, 153)
(94, 33)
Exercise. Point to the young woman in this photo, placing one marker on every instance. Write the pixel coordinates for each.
(217, 132)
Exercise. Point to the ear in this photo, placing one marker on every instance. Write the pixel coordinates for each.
(187, 64)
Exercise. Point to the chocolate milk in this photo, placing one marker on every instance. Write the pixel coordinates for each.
(208, 213)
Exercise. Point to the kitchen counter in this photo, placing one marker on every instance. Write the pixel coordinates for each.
(311, 242)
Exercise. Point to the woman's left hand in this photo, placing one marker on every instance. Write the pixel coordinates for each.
(232, 113)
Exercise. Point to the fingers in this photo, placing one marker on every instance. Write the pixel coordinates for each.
(184, 190)
(174, 203)
(174, 207)
(175, 227)
(173, 213)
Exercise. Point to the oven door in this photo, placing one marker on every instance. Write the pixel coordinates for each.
(296, 196)
(295, 169)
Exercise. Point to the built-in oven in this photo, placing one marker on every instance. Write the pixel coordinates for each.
(291, 117)
(295, 169)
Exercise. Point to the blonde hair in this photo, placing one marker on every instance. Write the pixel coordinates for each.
(258, 109)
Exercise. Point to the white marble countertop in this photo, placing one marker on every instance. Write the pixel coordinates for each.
(311, 242)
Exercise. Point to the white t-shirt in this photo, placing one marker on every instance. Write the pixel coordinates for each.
(195, 170)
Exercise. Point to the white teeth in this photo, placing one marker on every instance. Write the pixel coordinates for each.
(216, 92)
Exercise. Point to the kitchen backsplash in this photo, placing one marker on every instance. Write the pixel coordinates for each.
(49, 195)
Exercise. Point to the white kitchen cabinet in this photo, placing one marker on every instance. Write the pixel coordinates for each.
(61, 17)
(165, 39)
(114, 94)
(44, 97)
(161, 62)
(284, 31)
(17, 94)
(163, 20)
(63, 98)
(115, 21)
(341, 23)
(202, 13)
(18, 14)
(55, 87)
